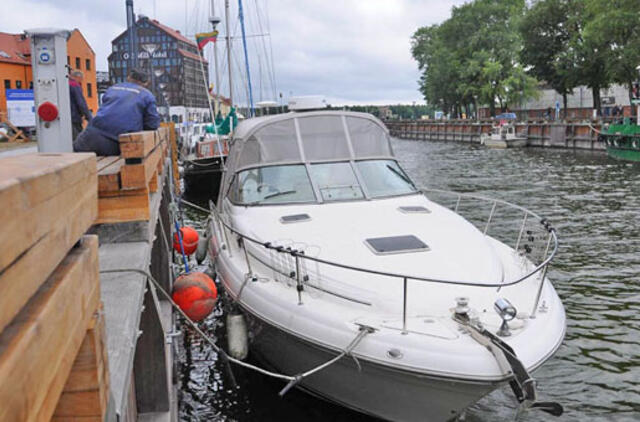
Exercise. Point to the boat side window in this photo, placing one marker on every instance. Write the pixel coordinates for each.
(336, 181)
(384, 178)
(272, 185)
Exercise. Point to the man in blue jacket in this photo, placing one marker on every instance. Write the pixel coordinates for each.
(126, 107)
(78, 104)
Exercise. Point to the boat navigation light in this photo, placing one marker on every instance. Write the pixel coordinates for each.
(462, 306)
(507, 312)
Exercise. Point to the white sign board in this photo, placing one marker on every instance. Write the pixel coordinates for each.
(21, 107)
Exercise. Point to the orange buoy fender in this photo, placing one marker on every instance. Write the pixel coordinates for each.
(196, 294)
(189, 240)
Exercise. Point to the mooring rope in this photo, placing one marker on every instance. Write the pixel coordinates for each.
(191, 204)
(293, 380)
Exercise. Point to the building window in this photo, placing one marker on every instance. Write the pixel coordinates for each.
(18, 84)
(7, 84)
(78, 63)
(31, 85)
(68, 61)
(89, 91)
(87, 63)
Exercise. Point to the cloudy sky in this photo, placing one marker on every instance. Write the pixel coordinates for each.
(351, 51)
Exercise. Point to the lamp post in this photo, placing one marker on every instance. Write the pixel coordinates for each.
(636, 99)
(150, 49)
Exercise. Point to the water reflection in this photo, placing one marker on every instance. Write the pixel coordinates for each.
(593, 201)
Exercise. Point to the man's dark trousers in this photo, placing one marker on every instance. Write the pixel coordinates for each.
(94, 140)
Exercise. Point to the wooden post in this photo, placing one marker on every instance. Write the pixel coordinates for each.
(160, 268)
(150, 362)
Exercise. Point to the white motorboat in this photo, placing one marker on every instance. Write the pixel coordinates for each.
(503, 135)
(366, 290)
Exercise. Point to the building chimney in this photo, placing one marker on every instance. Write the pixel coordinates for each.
(130, 16)
(131, 23)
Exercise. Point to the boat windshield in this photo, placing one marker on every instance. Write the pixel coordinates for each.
(272, 185)
(337, 181)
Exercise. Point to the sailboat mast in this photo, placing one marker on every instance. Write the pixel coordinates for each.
(214, 21)
(228, 30)
(246, 58)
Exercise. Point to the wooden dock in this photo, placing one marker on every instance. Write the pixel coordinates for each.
(539, 133)
(77, 344)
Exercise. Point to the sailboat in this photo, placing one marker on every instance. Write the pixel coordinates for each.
(205, 149)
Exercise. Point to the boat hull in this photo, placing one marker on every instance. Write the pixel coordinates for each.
(381, 391)
(506, 143)
(626, 154)
(203, 178)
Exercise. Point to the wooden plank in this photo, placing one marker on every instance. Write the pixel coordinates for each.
(123, 207)
(138, 144)
(86, 391)
(53, 322)
(172, 143)
(136, 176)
(22, 279)
(104, 162)
(109, 176)
(34, 193)
(153, 183)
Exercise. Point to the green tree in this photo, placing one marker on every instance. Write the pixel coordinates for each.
(614, 26)
(474, 57)
(592, 53)
(546, 31)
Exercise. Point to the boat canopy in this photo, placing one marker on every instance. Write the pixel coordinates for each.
(313, 137)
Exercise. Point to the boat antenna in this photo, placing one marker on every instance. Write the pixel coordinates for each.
(252, 111)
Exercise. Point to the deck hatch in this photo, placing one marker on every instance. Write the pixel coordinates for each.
(411, 209)
(294, 218)
(396, 244)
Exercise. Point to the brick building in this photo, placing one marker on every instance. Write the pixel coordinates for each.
(15, 65)
(176, 63)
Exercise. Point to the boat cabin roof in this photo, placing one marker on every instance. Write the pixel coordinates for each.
(317, 136)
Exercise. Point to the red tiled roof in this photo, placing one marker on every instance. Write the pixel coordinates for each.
(16, 47)
(174, 33)
(193, 56)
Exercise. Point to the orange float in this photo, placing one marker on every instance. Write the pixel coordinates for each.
(189, 240)
(196, 294)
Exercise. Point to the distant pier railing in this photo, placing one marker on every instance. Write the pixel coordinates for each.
(539, 133)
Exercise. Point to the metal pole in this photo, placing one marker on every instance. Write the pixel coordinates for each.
(524, 222)
(246, 257)
(299, 286)
(215, 63)
(252, 111)
(543, 275)
(493, 209)
(228, 29)
(404, 306)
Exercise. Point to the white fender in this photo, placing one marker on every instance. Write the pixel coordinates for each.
(237, 336)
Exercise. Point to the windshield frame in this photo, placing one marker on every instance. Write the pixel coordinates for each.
(318, 196)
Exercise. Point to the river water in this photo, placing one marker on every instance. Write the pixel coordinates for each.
(593, 201)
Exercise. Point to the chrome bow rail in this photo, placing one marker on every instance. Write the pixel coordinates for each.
(533, 237)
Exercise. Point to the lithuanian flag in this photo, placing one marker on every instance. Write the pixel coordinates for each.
(205, 37)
